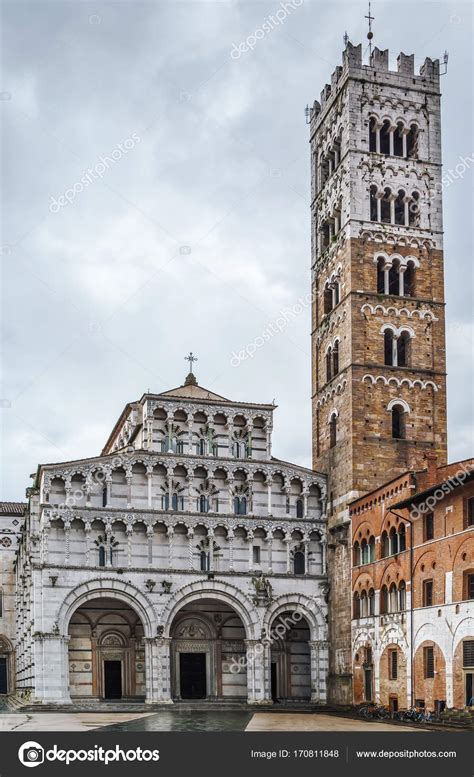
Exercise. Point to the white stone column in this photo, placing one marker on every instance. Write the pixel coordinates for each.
(150, 534)
(230, 428)
(129, 479)
(377, 138)
(157, 670)
(230, 485)
(306, 556)
(269, 541)
(191, 548)
(67, 544)
(391, 141)
(129, 532)
(269, 441)
(190, 436)
(401, 279)
(257, 685)
(319, 666)
(404, 143)
(250, 550)
(87, 529)
(323, 556)
(51, 669)
(230, 539)
(287, 541)
(44, 545)
(149, 474)
(170, 534)
(386, 278)
(269, 495)
(305, 504)
(210, 544)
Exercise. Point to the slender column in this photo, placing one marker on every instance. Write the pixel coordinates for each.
(406, 214)
(269, 495)
(231, 432)
(401, 281)
(269, 541)
(190, 548)
(230, 482)
(108, 485)
(287, 540)
(170, 533)
(305, 504)
(67, 547)
(269, 441)
(45, 538)
(379, 208)
(250, 542)
(149, 534)
(377, 139)
(404, 143)
(230, 538)
(170, 488)
(306, 556)
(108, 532)
(210, 544)
(392, 210)
(189, 479)
(87, 529)
(386, 278)
(390, 141)
(128, 476)
(394, 351)
(169, 423)
(149, 474)
(129, 532)
(190, 436)
(323, 556)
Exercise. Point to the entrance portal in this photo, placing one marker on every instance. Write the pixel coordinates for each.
(208, 652)
(193, 675)
(113, 679)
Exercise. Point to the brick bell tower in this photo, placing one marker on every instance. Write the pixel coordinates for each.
(378, 329)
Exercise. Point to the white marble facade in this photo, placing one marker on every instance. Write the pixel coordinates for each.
(183, 562)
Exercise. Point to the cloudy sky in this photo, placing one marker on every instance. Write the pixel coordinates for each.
(195, 234)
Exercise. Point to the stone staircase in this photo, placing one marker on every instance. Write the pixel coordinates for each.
(458, 718)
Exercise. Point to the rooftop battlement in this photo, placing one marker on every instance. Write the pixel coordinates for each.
(404, 75)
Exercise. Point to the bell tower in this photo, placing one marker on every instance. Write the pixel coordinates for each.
(378, 330)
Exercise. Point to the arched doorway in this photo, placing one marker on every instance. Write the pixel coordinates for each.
(106, 651)
(6, 666)
(208, 652)
(290, 657)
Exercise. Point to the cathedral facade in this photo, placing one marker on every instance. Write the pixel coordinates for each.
(184, 562)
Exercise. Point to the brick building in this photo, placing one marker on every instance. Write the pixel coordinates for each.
(378, 332)
(413, 589)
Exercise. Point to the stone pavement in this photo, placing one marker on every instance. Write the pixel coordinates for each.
(59, 721)
(293, 721)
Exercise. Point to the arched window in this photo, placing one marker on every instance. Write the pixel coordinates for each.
(298, 563)
(393, 280)
(335, 358)
(299, 508)
(177, 502)
(398, 422)
(372, 134)
(357, 554)
(403, 349)
(400, 208)
(385, 545)
(374, 214)
(203, 504)
(201, 447)
(333, 430)
(204, 561)
(337, 293)
(409, 280)
(101, 556)
(371, 549)
(385, 137)
(388, 347)
(327, 299)
(402, 596)
(402, 539)
(371, 602)
(329, 364)
(383, 600)
(356, 606)
(380, 275)
(385, 207)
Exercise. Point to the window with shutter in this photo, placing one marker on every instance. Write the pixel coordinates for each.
(428, 660)
(468, 653)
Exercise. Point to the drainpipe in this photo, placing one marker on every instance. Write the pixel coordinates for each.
(412, 662)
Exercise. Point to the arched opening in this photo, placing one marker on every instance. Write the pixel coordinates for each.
(398, 422)
(388, 347)
(106, 651)
(403, 349)
(335, 358)
(374, 214)
(6, 666)
(400, 208)
(372, 134)
(329, 364)
(385, 137)
(299, 566)
(290, 658)
(208, 653)
(333, 430)
(385, 207)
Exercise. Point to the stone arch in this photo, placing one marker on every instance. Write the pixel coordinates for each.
(303, 604)
(220, 591)
(112, 589)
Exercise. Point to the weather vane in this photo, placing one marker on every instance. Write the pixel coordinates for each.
(191, 358)
(370, 34)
